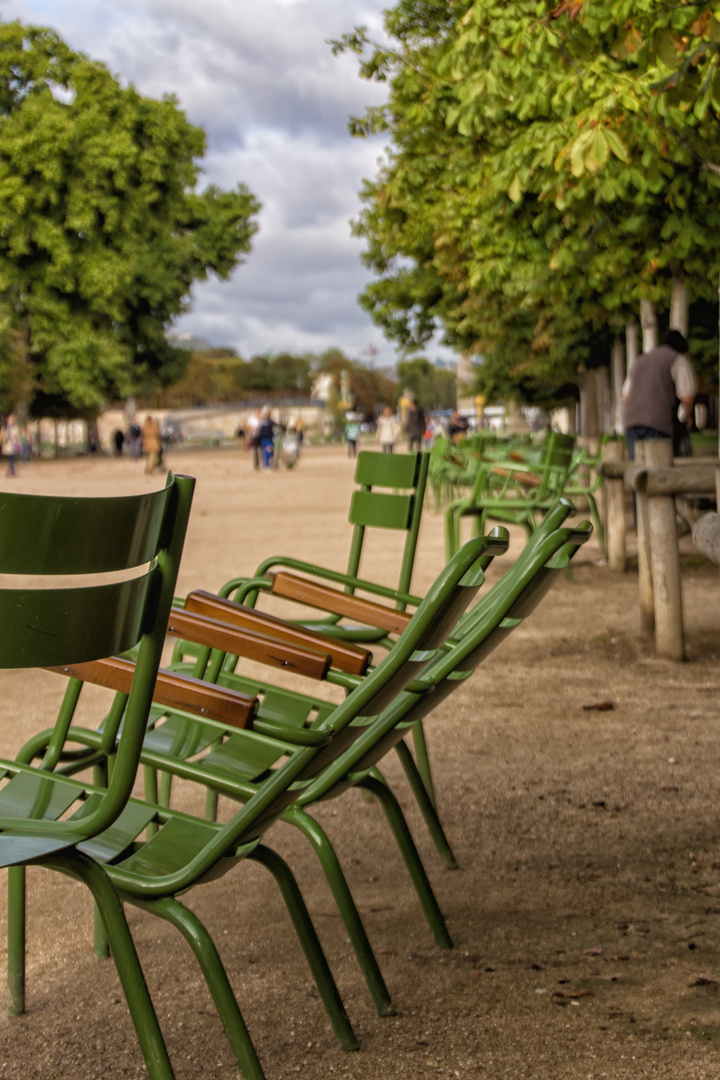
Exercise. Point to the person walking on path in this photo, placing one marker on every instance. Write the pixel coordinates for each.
(11, 444)
(266, 438)
(415, 426)
(152, 444)
(457, 426)
(658, 381)
(352, 433)
(387, 430)
(253, 427)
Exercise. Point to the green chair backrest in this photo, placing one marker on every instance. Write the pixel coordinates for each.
(136, 539)
(390, 496)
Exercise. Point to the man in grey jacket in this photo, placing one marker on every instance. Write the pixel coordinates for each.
(657, 381)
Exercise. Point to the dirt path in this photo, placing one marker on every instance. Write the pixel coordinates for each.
(586, 910)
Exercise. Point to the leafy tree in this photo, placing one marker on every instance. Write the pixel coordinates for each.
(369, 389)
(431, 387)
(551, 164)
(103, 230)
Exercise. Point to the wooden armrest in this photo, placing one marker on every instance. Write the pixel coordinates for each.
(526, 479)
(354, 607)
(174, 690)
(343, 657)
(249, 644)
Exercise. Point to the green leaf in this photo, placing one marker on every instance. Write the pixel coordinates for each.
(599, 148)
(616, 145)
(515, 191)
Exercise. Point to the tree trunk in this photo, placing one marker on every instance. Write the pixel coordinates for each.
(648, 320)
(631, 343)
(21, 376)
(618, 378)
(594, 396)
(679, 319)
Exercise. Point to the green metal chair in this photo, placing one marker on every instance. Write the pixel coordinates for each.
(45, 819)
(227, 767)
(390, 496)
(513, 492)
(267, 769)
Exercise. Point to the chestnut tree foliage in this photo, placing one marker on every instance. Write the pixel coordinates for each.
(550, 164)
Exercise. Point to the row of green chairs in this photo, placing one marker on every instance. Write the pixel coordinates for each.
(145, 853)
(274, 752)
(513, 492)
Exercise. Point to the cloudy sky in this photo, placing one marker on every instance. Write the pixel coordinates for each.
(259, 78)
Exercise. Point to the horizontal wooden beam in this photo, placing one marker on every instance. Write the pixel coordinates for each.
(674, 480)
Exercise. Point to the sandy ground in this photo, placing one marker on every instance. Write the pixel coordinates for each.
(586, 910)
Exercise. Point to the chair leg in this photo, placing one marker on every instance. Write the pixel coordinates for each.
(409, 852)
(310, 943)
(75, 865)
(422, 760)
(426, 805)
(346, 906)
(16, 941)
(215, 976)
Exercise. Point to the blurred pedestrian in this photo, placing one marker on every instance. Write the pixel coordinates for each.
(135, 440)
(415, 426)
(118, 441)
(253, 426)
(11, 444)
(388, 430)
(352, 433)
(266, 438)
(151, 444)
(457, 425)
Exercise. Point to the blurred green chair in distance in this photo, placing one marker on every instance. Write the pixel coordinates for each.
(46, 818)
(182, 851)
(513, 492)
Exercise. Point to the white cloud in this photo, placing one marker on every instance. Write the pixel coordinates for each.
(260, 79)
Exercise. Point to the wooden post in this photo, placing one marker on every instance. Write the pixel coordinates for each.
(669, 638)
(615, 514)
(645, 578)
(618, 372)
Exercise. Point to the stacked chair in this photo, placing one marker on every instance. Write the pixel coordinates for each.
(274, 752)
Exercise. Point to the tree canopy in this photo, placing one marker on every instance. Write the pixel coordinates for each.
(103, 229)
(550, 165)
